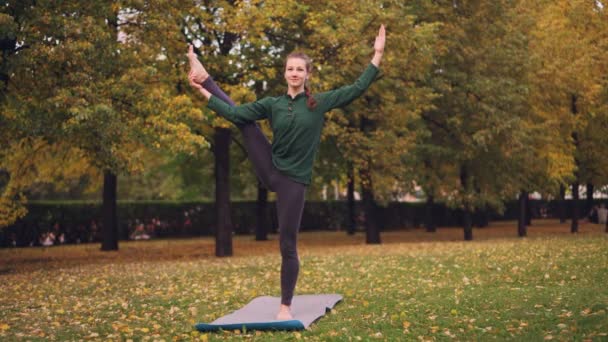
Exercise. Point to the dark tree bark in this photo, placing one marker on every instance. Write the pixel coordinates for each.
(575, 208)
(372, 227)
(352, 222)
(109, 212)
(261, 228)
(468, 210)
(429, 217)
(468, 224)
(529, 210)
(575, 186)
(562, 204)
(369, 208)
(223, 229)
(522, 219)
(589, 203)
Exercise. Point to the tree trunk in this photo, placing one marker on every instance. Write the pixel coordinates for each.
(261, 229)
(223, 230)
(589, 204)
(468, 224)
(529, 210)
(562, 204)
(367, 192)
(429, 218)
(109, 212)
(575, 208)
(521, 222)
(575, 195)
(369, 208)
(468, 210)
(352, 223)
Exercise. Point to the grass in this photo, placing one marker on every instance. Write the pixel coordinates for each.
(415, 286)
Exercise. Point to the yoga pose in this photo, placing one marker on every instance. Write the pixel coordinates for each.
(285, 166)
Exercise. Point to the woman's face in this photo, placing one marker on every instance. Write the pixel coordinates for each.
(295, 72)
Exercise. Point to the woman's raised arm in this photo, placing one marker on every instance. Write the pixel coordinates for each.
(379, 46)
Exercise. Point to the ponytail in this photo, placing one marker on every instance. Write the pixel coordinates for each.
(311, 103)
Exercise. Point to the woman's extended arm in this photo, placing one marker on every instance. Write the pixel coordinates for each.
(237, 114)
(379, 46)
(344, 95)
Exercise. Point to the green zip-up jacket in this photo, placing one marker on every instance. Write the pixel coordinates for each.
(296, 129)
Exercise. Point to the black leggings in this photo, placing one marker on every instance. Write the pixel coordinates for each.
(290, 196)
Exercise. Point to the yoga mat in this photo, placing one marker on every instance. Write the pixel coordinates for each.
(260, 313)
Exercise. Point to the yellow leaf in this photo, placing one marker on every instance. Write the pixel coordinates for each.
(406, 324)
(4, 326)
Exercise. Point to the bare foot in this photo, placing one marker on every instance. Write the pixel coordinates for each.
(196, 67)
(284, 313)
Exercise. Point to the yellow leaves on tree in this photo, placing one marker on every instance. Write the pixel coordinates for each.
(34, 161)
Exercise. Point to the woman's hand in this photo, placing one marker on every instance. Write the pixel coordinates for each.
(197, 70)
(379, 46)
(380, 40)
(196, 85)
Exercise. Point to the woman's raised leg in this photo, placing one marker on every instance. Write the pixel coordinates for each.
(258, 148)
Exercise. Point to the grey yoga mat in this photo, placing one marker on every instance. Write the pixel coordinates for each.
(260, 314)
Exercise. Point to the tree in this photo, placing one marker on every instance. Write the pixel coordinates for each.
(569, 47)
(77, 85)
(223, 36)
(473, 152)
(373, 133)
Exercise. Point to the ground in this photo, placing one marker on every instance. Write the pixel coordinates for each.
(414, 286)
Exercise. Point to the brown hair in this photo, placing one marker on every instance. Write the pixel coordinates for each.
(310, 102)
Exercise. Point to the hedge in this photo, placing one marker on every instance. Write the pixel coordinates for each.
(78, 219)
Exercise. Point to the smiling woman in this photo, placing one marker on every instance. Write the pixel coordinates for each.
(298, 69)
(285, 167)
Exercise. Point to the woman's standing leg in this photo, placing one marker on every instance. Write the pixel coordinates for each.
(290, 205)
(290, 201)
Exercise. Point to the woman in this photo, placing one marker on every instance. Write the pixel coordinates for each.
(285, 167)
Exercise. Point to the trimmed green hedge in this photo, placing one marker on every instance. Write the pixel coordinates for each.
(78, 219)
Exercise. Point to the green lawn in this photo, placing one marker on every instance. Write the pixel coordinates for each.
(415, 286)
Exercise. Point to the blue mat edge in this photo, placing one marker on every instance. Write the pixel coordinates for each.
(293, 324)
